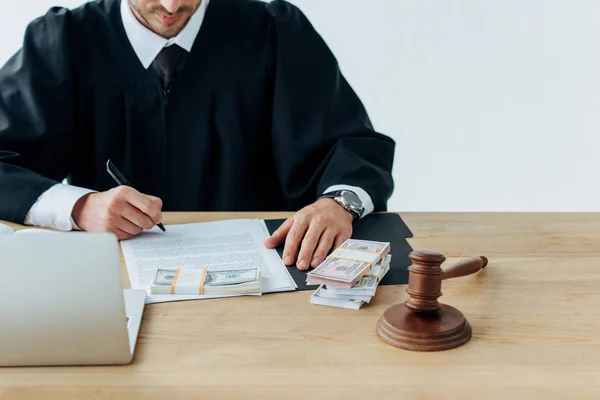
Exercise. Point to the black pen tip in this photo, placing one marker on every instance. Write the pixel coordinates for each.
(162, 228)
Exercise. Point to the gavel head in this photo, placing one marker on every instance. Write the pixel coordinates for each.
(426, 275)
(424, 281)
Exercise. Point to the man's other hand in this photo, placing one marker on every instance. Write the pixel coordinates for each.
(123, 211)
(315, 230)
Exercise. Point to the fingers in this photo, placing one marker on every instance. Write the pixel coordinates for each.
(122, 235)
(294, 237)
(127, 226)
(127, 212)
(324, 247)
(314, 230)
(136, 217)
(309, 244)
(122, 211)
(340, 239)
(280, 234)
(149, 205)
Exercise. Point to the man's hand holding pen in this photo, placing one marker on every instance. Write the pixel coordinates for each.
(123, 211)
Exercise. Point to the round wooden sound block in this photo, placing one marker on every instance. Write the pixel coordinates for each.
(442, 330)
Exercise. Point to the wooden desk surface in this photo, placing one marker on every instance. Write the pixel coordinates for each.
(534, 311)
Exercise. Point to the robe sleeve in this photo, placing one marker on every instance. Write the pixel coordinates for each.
(321, 133)
(37, 107)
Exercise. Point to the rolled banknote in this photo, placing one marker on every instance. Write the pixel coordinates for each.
(204, 281)
(338, 271)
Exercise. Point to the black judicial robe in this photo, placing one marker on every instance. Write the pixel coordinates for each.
(260, 118)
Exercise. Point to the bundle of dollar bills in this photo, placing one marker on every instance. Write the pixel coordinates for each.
(205, 281)
(349, 276)
(348, 263)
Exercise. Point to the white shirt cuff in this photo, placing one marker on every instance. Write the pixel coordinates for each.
(54, 207)
(361, 193)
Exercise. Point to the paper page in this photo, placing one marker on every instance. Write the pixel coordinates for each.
(6, 230)
(218, 245)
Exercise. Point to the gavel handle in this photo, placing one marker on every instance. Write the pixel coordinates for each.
(465, 267)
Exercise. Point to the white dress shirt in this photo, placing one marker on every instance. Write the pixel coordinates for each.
(54, 207)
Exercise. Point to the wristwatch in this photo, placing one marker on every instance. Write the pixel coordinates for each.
(348, 200)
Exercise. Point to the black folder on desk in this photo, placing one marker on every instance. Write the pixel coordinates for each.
(378, 227)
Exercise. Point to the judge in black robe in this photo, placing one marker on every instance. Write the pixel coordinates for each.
(260, 117)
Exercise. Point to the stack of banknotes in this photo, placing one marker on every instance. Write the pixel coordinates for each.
(207, 282)
(349, 276)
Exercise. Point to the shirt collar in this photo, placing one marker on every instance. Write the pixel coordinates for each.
(148, 44)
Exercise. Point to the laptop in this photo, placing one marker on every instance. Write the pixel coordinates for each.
(62, 301)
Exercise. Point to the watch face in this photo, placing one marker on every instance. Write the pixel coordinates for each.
(352, 199)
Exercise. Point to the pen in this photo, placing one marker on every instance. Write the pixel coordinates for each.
(120, 179)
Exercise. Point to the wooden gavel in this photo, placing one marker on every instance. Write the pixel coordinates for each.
(422, 323)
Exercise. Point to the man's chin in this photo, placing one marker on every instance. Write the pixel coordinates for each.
(167, 31)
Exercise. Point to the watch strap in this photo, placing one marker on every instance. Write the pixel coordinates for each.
(335, 195)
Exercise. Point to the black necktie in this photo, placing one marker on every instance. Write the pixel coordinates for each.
(166, 64)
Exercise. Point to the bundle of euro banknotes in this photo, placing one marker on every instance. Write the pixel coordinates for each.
(203, 281)
(349, 276)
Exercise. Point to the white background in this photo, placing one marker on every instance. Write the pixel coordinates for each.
(494, 105)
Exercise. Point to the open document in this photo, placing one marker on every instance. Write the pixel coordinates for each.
(217, 246)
